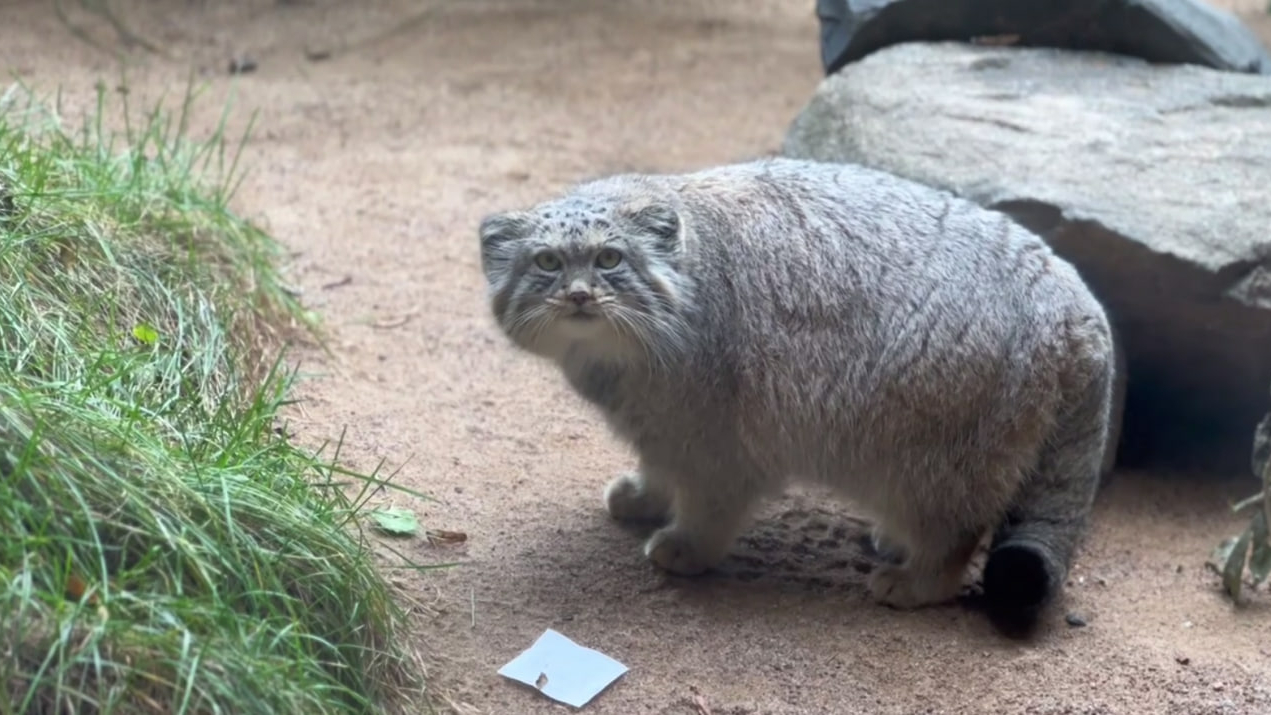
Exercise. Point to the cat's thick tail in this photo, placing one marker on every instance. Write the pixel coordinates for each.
(1033, 547)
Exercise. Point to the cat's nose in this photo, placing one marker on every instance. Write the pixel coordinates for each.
(579, 297)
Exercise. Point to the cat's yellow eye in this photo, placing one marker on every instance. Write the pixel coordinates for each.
(608, 258)
(547, 261)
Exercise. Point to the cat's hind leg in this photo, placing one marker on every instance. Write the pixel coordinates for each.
(932, 572)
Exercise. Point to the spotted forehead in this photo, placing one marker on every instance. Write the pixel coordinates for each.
(576, 217)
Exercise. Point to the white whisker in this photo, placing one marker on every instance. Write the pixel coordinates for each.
(528, 325)
(629, 330)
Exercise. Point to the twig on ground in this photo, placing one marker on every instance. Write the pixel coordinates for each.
(338, 283)
(102, 9)
(395, 322)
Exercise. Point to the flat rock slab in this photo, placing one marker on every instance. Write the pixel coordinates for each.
(1154, 180)
(1164, 31)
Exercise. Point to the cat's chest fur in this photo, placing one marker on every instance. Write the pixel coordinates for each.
(641, 404)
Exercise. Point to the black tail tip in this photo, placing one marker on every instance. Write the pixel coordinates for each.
(1020, 579)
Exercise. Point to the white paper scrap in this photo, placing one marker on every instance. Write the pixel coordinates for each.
(563, 670)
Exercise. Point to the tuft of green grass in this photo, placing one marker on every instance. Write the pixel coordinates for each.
(1251, 548)
(164, 547)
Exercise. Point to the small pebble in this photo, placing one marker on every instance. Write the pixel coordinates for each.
(1074, 620)
(1182, 659)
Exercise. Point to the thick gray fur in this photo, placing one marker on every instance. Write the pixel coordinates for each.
(780, 319)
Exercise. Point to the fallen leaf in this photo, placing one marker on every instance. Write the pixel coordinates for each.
(145, 333)
(396, 521)
(76, 588)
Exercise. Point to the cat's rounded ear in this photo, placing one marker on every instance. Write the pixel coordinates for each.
(660, 222)
(500, 233)
(500, 228)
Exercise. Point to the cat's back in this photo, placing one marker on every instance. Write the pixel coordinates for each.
(817, 239)
(872, 291)
(809, 210)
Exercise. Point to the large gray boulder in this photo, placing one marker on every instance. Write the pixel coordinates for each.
(1174, 31)
(1154, 180)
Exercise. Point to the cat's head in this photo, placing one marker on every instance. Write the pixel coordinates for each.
(588, 276)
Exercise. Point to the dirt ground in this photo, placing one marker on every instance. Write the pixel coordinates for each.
(384, 132)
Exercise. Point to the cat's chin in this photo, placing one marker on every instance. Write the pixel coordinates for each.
(582, 336)
(583, 327)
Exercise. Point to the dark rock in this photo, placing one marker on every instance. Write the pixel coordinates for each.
(1155, 181)
(1164, 31)
(242, 65)
(1075, 620)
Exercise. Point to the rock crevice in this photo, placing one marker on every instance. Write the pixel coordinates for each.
(1162, 31)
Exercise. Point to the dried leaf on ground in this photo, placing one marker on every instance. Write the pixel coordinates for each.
(444, 536)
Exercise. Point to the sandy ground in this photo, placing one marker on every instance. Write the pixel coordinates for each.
(375, 164)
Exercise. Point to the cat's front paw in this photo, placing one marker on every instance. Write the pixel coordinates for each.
(675, 551)
(900, 587)
(629, 498)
